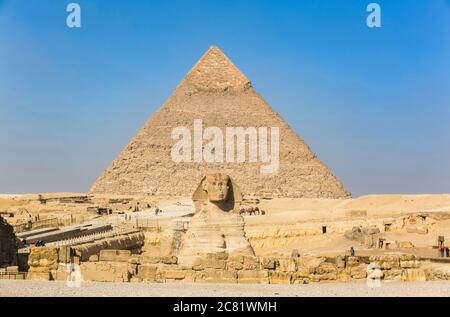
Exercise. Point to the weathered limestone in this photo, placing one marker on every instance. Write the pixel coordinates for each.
(365, 236)
(105, 271)
(400, 267)
(43, 263)
(216, 228)
(8, 244)
(217, 276)
(125, 241)
(253, 276)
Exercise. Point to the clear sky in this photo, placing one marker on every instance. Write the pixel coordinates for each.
(372, 103)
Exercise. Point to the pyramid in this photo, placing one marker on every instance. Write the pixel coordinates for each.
(216, 92)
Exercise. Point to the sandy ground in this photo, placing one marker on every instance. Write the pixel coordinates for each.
(9, 288)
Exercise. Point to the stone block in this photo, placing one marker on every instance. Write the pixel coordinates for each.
(409, 264)
(211, 263)
(387, 261)
(61, 274)
(269, 263)
(287, 265)
(115, 255)
(232, 265)
(420, 229)
(413, 275)
(280, 277)
(218, 276)
(43, 257)
(253, 277)
(135, 280)
(324, 272)
(169, 260)
(147, 272)
(175, 274)
(323, 277)
(303, 272)
(38, 276)
(405, 245)
(12, 269)
(134, 260)
(358, 272)
(340, 262)
(251, 263)
(352, 261)
(146, 259)
(310, 262)
(300, 280)
(371, 230)
(393, 274)
(218, 256)
(343, 275)
(325, 268)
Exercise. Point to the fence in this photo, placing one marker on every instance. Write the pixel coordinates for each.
(27, 226)
(90, 237)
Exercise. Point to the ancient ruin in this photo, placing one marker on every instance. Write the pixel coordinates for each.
(150, 219)
(217, 226)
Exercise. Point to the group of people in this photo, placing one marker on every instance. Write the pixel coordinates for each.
(40, 243)
(250, 211)
(158, 211)
(444, 251)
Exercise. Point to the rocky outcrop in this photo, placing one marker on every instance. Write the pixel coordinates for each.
(8, 244)
(43, 263)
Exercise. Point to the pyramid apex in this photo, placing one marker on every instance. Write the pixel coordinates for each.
(215, 72)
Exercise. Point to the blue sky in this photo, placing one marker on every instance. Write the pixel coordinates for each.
(373, 104)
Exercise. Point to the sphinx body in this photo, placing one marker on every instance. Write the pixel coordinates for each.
(216, 227)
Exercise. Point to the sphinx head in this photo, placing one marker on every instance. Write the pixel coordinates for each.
(217, 186)
(220, 190)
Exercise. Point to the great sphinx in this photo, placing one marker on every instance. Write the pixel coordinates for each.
(217, 226)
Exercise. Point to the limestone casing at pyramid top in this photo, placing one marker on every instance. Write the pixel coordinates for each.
(215, 72)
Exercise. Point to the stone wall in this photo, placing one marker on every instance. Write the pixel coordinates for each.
(123, 266)
(8, 244)
(217, 268)
(43, 263)
(49, 263)
(133, 241)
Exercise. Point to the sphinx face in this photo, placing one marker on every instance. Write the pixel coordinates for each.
(217, 187)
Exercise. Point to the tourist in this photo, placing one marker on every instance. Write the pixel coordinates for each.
(442, 249)
(352, 251)
(447, 251)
